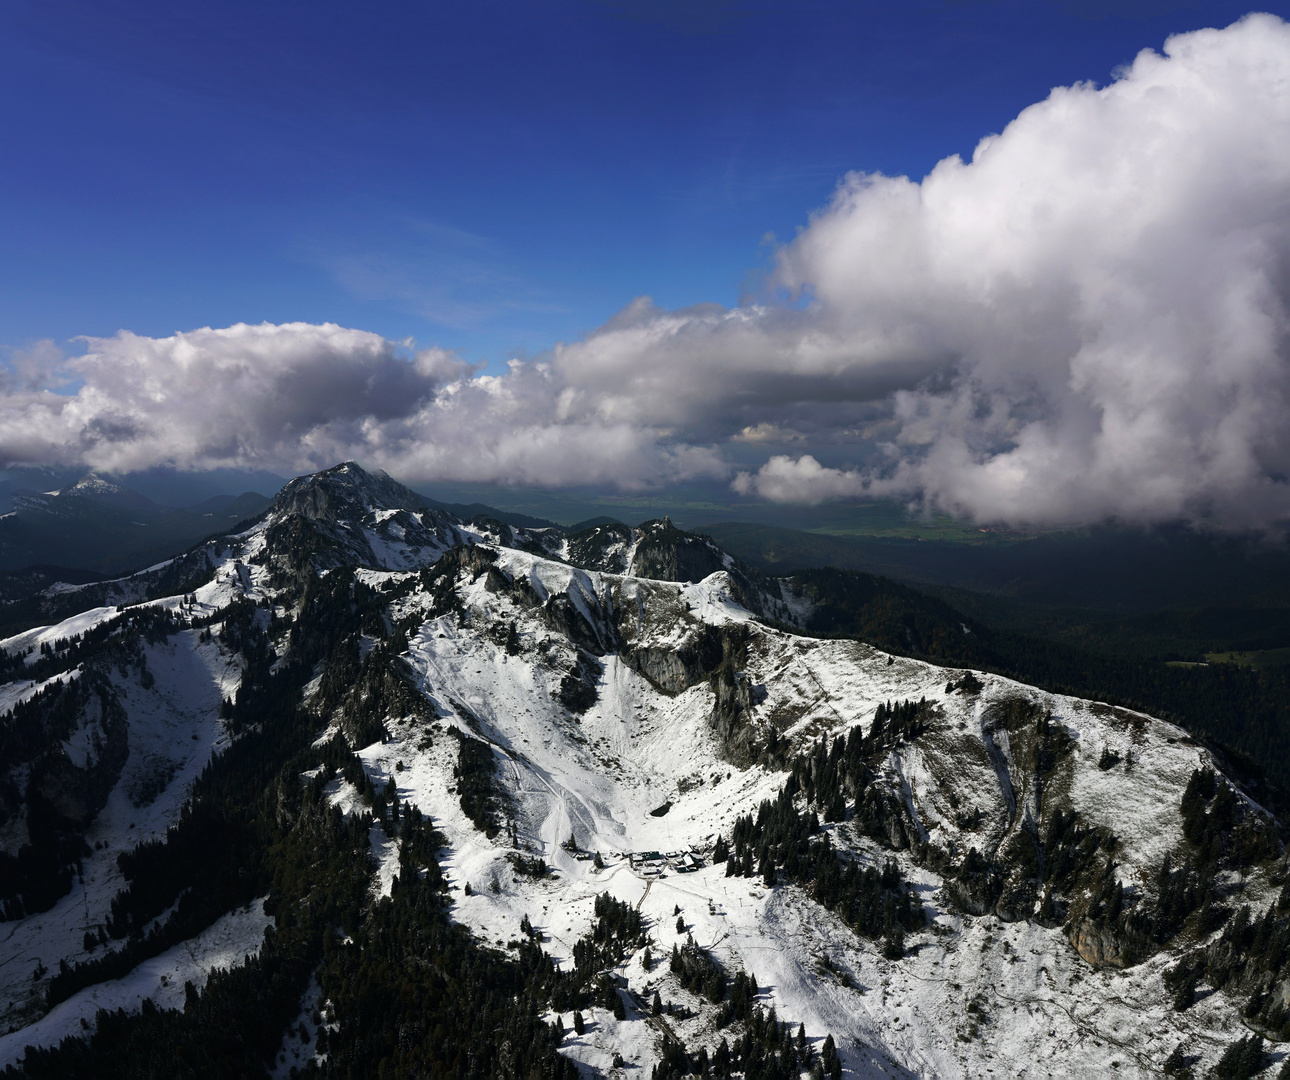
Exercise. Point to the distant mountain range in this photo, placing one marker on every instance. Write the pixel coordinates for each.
(93, 524)
(1109, 568)
(1171, 593)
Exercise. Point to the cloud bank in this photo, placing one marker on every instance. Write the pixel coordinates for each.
(1089, 319)
(298, 396)
(1110, 277)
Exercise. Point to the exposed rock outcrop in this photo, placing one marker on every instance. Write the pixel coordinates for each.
(1098, 945)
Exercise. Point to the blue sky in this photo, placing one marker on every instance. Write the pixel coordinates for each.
(491, 177)
(1017, 262)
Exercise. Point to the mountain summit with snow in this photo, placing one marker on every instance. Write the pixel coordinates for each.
(344, 492)
(366, 789)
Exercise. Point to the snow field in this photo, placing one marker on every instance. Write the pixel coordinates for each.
(224, 944)
(1039, 1009)
(973, 997)
(173, 729)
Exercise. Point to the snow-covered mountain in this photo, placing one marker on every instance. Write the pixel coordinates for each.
(636, 761)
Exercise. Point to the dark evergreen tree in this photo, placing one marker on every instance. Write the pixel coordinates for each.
(829, 1058)
(1241, 1060)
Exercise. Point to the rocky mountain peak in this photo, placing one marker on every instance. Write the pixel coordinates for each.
(92, 482)
(345, 492)
(95, 488)
(667, 553)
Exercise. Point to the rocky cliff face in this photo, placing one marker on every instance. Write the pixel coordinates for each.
(345, 493)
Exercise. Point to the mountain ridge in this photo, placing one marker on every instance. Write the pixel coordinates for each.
(465, 732)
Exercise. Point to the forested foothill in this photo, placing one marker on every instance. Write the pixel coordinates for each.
(89, 528)
(416, 992)
(39, 786)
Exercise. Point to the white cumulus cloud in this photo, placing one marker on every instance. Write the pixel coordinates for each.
(785, 479)
(299, 396)
(1109, 277)
(1088, 319)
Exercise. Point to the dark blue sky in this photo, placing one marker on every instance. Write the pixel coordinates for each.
(492, 177)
